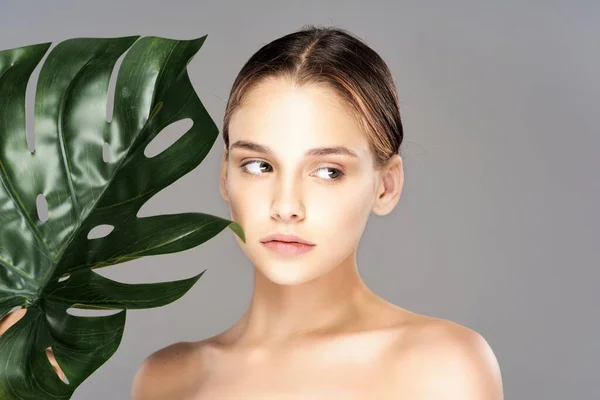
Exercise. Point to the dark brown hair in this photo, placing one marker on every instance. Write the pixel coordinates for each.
(337, 59)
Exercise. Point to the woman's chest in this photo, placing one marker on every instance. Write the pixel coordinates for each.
(296, 382)
(336, 371)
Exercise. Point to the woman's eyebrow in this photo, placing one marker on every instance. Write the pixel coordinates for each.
(317, 151)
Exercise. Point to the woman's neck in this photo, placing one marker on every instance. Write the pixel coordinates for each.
(279, 313)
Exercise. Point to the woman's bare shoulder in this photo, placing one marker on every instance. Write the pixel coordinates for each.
(444, 358)
(169, 372)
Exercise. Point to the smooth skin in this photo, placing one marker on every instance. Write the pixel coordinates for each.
(313, 329)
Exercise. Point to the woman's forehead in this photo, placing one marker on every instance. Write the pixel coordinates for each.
(308, 113)
(281, 92)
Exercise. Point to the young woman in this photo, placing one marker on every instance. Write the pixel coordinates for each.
(312, 134)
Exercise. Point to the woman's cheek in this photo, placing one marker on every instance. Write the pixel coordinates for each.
(339, 210)
(243, 198)
(357, 210)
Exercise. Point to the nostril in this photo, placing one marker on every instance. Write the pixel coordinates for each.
(54, 363)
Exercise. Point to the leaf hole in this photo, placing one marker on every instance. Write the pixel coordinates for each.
(54, 363)
(30, 95)
(13, 316)
(42, 207)
(16, 308)
(100, 231)
(90, 311)
(106, 153)
(112, 84)
(64, 277)
(167, 137)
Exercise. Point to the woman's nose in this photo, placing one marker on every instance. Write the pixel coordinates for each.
(287, 203)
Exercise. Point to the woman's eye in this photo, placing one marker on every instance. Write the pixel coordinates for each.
(336, 172)
(335, 175)
(253, 162)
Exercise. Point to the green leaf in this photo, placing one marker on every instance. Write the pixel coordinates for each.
(47, 266)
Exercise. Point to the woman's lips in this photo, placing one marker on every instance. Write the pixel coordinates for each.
(287, 247)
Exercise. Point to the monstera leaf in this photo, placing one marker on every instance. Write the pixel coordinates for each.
(48, 266)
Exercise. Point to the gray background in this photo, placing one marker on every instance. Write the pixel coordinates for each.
(497, 228)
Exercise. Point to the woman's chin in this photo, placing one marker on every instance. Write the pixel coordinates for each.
(287, 274)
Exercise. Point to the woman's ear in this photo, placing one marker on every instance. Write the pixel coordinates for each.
(390, 186)
(223, 176)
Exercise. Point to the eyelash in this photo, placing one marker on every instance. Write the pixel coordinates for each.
(332, 180)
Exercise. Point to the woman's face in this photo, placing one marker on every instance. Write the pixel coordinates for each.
(324, 199)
